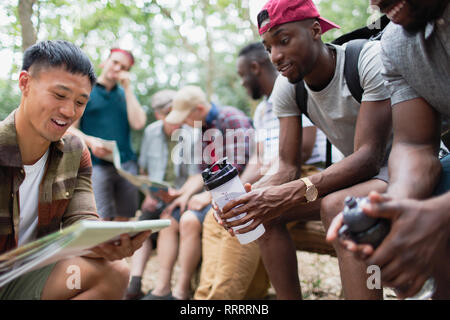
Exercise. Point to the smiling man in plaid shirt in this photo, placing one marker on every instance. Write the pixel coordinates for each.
(45, 177)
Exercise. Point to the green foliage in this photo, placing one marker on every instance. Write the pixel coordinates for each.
(10, 98)
(175, 42)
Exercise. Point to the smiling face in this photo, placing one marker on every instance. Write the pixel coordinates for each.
(52, 100)
(413, 15)
(292, 49)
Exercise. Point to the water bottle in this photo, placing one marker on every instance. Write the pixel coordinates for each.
(222, 180)
(363, 229)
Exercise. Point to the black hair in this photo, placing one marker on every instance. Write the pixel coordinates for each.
(256, 52)
(59, 53)
(262, 16)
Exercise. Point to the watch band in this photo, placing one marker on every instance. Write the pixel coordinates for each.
(307, 182)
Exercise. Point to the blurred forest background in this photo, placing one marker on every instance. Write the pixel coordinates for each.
(175, 42)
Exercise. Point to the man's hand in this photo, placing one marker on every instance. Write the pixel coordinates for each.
(125, 247)
(124, 79)
(261, 205)
(199, 201)
(180, 202)
(97, 147)
(410, 252)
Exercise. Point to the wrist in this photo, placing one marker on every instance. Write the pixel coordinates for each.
(292, 193)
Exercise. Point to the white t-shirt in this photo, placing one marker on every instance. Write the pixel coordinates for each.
(28, 200)
(333, 109)
(267, 127)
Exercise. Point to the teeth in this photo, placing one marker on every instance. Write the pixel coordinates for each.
(61, 123)
(393, 12)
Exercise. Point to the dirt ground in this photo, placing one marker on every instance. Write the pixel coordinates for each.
(319, 277)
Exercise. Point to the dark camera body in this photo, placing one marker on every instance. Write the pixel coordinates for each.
(361, 228)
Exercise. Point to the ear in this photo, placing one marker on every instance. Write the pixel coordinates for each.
(316, 30)
(102, 65)
(255, 67)
(24, 82)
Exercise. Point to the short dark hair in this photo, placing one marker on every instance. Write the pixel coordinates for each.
(255, 51)
(59, 53)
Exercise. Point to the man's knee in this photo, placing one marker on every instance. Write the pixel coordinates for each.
(331, 205)
(115, 279)
(189, 223)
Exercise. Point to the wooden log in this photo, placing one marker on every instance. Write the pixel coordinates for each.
(310, 236)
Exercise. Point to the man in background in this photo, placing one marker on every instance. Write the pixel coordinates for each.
(111, 113)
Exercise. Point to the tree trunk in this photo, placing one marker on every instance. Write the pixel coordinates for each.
(29, 36)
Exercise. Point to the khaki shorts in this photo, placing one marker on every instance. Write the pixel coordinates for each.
(230, 271)
(28, 286)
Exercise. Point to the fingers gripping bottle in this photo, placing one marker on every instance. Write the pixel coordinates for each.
(363, 229)
(222, 180)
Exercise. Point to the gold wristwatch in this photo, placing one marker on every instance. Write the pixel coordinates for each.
(311, 190)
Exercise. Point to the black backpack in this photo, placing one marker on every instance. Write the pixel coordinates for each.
(355, 42)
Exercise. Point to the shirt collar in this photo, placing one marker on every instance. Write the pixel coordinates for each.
(116, 86)
(9, 148)
(212, 114)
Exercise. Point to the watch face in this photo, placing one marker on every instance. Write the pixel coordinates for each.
(311, 193)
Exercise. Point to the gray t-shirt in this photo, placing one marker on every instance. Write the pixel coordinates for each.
(418, 65)
(333, 109)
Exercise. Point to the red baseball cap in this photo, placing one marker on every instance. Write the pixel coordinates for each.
(276, 12)
(126, 52)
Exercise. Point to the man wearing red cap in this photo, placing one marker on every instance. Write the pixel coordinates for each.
(291, 32)
(111, 113)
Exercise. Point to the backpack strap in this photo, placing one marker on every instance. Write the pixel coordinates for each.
(301, 97)
(351, 73)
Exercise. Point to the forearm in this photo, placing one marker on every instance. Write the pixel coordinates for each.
(252, 171)
(279, 172)
(357, 167)
(193, 185)
(414, 171)
(136, 114)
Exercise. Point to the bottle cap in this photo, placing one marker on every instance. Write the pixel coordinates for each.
(218, 174)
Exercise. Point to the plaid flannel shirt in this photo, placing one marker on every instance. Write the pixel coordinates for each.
(65, 193)
(235, 132)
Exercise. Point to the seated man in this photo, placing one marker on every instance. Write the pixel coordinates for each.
(291, 32)
(183, 237)
(415, 55)
(217, 123)
(46, 177)
(258, 77)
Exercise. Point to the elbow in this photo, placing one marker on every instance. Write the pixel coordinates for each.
(140, 124)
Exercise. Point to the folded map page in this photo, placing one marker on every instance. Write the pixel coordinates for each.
(142, 182)
(75, 240)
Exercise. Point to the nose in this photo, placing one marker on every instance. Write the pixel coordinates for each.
(68, 109)
(276, 55)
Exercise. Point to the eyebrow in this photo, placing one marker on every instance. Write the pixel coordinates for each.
(278, 31)
(60, 86)
(281, 29)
